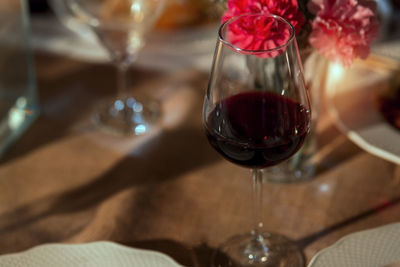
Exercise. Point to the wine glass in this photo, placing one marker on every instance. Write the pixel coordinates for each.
(120, 26)
(256, 114)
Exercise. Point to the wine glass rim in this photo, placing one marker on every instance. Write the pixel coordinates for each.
(256, 51)
(94, 21)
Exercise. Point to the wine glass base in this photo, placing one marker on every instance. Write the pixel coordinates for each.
(264, 250)
(127, 116)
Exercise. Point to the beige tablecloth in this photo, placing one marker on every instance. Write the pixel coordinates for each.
(65, 181)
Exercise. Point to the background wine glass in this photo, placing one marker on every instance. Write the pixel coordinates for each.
(121, 26)
(256, 114)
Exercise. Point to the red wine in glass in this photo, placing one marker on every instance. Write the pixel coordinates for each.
(257, 129)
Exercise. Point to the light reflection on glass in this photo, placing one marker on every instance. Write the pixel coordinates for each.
(15, 118)
(324, 188)
(136, 9)
(140, 129)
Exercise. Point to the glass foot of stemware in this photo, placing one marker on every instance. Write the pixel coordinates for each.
(263, 250)
(128, 116)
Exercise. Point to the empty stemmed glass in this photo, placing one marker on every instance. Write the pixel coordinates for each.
(256, 114)
(120, 26)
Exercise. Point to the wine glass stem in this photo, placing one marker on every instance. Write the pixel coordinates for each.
(122, 81)
(257, 202)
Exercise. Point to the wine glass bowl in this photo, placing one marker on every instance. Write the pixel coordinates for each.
(121, 26)
(256, 114)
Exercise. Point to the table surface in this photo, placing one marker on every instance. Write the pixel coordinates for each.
(65, 181)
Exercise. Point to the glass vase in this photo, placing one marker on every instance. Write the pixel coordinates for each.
(302, 166)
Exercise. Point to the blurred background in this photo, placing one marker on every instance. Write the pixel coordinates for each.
(193, 22)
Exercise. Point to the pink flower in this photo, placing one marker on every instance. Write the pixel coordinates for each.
(253, 32)
(343, 29)
(261, 34)
(288, 9)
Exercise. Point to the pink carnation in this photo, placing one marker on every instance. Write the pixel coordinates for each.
(287, 9)
(343, 29)
(261, 34)
(255, 33)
